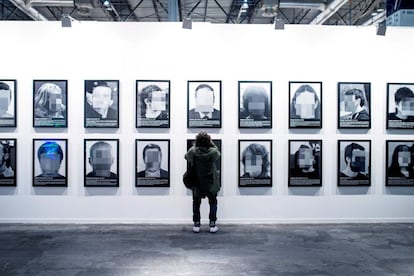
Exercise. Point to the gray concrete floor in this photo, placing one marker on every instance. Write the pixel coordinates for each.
(317, 249)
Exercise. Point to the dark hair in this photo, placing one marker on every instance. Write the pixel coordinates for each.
(146, 93)
(150, 146)
(203, 85)
(203, 140)
(298, 151)
(4, 86)
(91, 85)
(394, 159)
(348, 150)
(403, 92)
(252, 92)
(48, 148)
(258, 149)
(302, 89)
(358, 95)
(97, 145)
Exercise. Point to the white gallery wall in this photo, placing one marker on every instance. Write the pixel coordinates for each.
(164, 51)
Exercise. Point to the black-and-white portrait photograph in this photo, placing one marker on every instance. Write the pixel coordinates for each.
(354, 105)
(8, 92)
(8, 162)
(255, 163)
(354, 162)
(152, 159)
(153, 103)
(50, 103)
(101, 104)
(305, 163)
(50, 159)
(101, 162)
(204, 104)
(400, 163)
(400, 105)
(305, 104)
(255, 104)
(217, 143)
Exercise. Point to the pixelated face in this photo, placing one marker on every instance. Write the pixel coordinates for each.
(305, 158)
(404, 158)
(306, 105)
(50, 162)
(159, 101)
(406, 106)
(152, 160)
(256, 106)
(204, 100)
(101, 97)
(55, 102)
(101, 158)
(350, 103)
(358, 160)
(253, 164)
(4, 100)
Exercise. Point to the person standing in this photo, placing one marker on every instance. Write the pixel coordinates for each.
(202, 156)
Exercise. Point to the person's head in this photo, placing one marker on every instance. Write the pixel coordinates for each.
(404, 101)
(152, 156)
(99, 95)
(354, 156)
(304, 157)
(48, 99)
(203, 139)
(256, 160)
(50, 156)
(305, 102)
(100, 157)
(354, 99)
(401, 156)
(5, 97)
(256, 102)
(204, 98)
(153, 99)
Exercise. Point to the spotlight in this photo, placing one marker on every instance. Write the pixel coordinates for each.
(187, 23)
(66, 21)
(279, 24)
(381, 28)
(106, 3)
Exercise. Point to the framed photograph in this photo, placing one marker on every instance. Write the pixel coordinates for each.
(50, 107)
(255, 104)
(255, 166)
(50, 162)
(305, 163)
(354, 105)
(204, 104)
(354, 162)
(400, 105)
(101, 163)
(153, 103)
(101, 104)
(152, 163)
(400, 163)
(305, 104)
(217, 142)
(8, 93)
(8, 154)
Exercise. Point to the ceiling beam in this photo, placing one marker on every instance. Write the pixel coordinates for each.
(28, 10)
(329, 11)
(50, 3)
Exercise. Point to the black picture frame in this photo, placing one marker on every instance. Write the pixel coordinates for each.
(356, 151)
(257, 95)
(143, 177)
(212, 104)
(152, 104)
(8, 99)
(354, 105)
(262, 151)
(400, 107)
(305, 163)
(99, 110)
(105, 157)
(8, 171)
(305, 117)
(50, 103)
(217, 142)
(48, 170)
(399, 155)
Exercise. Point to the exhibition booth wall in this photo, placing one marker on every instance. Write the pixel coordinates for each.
(228, 53)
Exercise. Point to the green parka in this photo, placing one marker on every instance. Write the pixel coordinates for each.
(207, 174)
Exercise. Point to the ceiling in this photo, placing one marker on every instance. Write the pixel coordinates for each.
(327, 12)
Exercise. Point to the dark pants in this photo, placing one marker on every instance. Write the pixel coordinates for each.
(212, 200)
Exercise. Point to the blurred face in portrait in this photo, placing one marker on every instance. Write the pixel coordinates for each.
(55, 102)
(306, 105)
(156, 104)
(101, 98)
(204, 100)
(101, 160)
(406, 107)
(404, 157)
(256, 106)
(152, 160)
(305, 158)
(351, 103)
(357, 162)
(5, 96)
(50, 162)
(253, 164)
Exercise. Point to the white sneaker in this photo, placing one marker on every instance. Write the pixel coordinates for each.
(196, 228)
(214, 229)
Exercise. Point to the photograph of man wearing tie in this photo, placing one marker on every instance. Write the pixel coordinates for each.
(204, 101)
